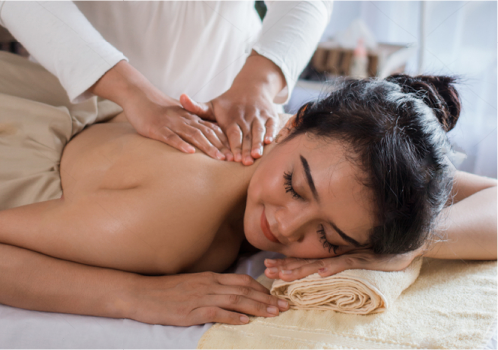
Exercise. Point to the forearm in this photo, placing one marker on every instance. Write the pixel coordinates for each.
(290, 34)
(261, 74)
(123, 84)
(470, 229)
(34, 281)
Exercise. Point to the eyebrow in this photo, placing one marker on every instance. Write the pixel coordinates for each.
(311, 184)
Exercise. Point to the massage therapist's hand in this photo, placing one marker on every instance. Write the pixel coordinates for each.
(245, 112)
(197, 298)
(158, 116)
(291, 269)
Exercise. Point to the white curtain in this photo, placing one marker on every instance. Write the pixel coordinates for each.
(454, 38)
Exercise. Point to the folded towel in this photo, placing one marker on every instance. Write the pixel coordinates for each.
(356, 291)
(451, 305)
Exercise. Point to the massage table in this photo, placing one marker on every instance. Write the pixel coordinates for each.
(33, 329)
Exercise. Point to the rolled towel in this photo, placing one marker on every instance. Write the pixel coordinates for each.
(355, 291)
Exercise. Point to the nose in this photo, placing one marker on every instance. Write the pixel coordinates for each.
(291, 225)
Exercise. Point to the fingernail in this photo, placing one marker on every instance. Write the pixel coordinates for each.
(323, 269)
(283, 304)
(272, 269)
(220, 155)
(238, 157)
(271, 261)
(260, 151)
(244, 319)
(272, 310)
(286, 272)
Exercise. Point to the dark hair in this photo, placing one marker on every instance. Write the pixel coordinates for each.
(396, 131)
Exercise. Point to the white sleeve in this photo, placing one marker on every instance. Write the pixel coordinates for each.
(63, 41)
(289, 35)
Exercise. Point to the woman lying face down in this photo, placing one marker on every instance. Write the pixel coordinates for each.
(365, 168)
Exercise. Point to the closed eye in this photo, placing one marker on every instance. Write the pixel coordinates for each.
(288, 186)
(327, 244)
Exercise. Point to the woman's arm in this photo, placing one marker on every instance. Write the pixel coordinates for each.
(468, 227)
(290, 33)
(33, 281)
(65, 43)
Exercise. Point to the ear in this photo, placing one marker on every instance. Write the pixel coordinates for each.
(289, 125)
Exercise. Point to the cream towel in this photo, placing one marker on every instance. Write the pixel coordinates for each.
(351, 291)
(451, 305)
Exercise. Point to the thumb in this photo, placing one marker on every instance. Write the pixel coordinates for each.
(198, 108)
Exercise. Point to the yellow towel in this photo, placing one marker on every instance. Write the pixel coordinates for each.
(452, 304)
(352, 291)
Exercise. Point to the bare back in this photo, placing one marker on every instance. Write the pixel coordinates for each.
(136, 204)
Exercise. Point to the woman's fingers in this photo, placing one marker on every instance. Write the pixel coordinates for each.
(246, 145)
(290, 269)
(213, 137)
(295, 270)
(196, 137)
(169, 137)
(225, 145)
(288, 263)
(241, 303)
(215, 314)
(258, 133)
(270, 131)
(234, 135)
(265, 300)
(236, 279)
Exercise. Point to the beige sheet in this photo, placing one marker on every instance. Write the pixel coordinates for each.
(36, 122)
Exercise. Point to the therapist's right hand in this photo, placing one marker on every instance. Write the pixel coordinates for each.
(198, 298)
(158, 116)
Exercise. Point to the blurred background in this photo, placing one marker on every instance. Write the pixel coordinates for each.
(421, 37)
(414, 37)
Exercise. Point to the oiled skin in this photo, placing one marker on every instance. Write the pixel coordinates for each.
(136, 204)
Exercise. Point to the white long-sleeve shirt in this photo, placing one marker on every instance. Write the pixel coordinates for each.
(188, 47)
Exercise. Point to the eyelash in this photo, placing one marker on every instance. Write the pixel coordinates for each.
(288, 186)
(327, 244)
(321, 231)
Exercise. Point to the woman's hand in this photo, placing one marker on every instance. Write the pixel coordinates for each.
(247, 118)
(165, 120)
(197, 298)
(158, 116)
(291, 269)
(245, 112)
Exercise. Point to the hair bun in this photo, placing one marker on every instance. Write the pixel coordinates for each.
(439, 94)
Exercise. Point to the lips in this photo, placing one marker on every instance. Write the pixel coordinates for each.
(266, 229)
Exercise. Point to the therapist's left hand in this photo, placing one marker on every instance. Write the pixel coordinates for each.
(291, 269)
(245, 112)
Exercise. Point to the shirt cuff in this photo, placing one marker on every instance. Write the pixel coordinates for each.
(289, 36)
